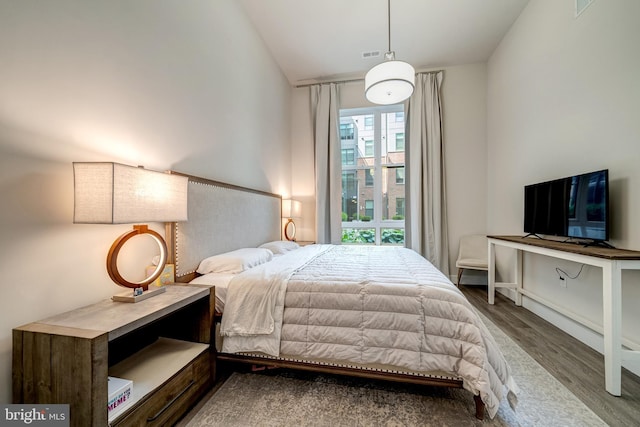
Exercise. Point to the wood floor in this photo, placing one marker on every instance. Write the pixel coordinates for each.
(575, 365)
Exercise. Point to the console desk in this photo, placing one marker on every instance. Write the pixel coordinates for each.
(611, 261)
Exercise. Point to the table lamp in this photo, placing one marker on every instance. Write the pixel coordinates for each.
(112, 193)
(290, 209)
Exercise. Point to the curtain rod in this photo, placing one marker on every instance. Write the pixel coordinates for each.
(353, 80)
(332, 81)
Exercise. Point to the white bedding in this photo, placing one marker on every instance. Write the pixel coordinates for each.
(365, 305)
(253, 312)
(220, 281)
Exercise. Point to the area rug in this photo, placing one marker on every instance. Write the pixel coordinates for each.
(288, 398)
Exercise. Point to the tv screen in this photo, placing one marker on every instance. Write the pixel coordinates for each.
(588, 210)
(576, 206)
(544, 206)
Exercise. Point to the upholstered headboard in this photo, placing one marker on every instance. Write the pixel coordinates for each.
(222, 217)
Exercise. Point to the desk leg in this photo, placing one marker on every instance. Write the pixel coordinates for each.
(612, 325)
(518, 278)
(491, 276)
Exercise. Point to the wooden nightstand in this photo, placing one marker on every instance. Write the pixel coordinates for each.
(161, 344)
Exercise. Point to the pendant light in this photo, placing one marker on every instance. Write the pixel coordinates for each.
(391, 81)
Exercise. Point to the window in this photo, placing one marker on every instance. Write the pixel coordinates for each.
(400, 207)
(400, 141)
(373, 164)
(368, 177)
(368, 209)
(346, 131)
(368, 147)
(348, 156)
(368, 122)
(349, 195)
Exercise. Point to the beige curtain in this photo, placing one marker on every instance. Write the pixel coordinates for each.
(426, 218)
(328, 167)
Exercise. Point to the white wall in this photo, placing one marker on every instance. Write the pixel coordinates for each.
(302, 165)
(464, 98)
(176, 85)
(464, 134)
(564, 98)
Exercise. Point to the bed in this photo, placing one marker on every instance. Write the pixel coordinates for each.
(373, 312)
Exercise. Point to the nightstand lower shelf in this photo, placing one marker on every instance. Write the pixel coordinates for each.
(154, 366)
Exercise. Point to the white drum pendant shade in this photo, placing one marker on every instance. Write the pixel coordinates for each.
(389, 82)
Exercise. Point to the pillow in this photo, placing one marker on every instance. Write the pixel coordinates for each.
(279, 247)
(235, 261)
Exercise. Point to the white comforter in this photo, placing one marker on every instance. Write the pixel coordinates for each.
(364, 305)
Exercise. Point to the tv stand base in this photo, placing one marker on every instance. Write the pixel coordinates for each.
(599, 244)
(532, 235)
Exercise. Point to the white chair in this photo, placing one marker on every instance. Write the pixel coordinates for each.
(473, 254)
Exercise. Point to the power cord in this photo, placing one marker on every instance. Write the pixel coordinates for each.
(561, 272)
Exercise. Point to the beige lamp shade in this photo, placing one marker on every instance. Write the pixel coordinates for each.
(112, 193)
(291, 208)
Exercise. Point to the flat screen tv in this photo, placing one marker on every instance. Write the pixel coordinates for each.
(575, 206)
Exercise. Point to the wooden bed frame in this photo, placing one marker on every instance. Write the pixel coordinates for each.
(224, 217)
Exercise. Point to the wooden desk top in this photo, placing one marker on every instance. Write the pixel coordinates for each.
(576, 248)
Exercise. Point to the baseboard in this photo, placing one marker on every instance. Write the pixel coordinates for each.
(571, 327)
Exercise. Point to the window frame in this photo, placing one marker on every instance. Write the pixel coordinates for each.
(377, 222)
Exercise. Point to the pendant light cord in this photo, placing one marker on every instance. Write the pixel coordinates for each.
(389, 24)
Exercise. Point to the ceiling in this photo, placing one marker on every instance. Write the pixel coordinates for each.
(321, 40)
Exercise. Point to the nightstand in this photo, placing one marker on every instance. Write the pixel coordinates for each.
(161, 344)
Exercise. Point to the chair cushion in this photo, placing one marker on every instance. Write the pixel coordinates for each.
(478, 264)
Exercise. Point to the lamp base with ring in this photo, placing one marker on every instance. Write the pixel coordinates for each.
(112, 267)
(290, 230)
